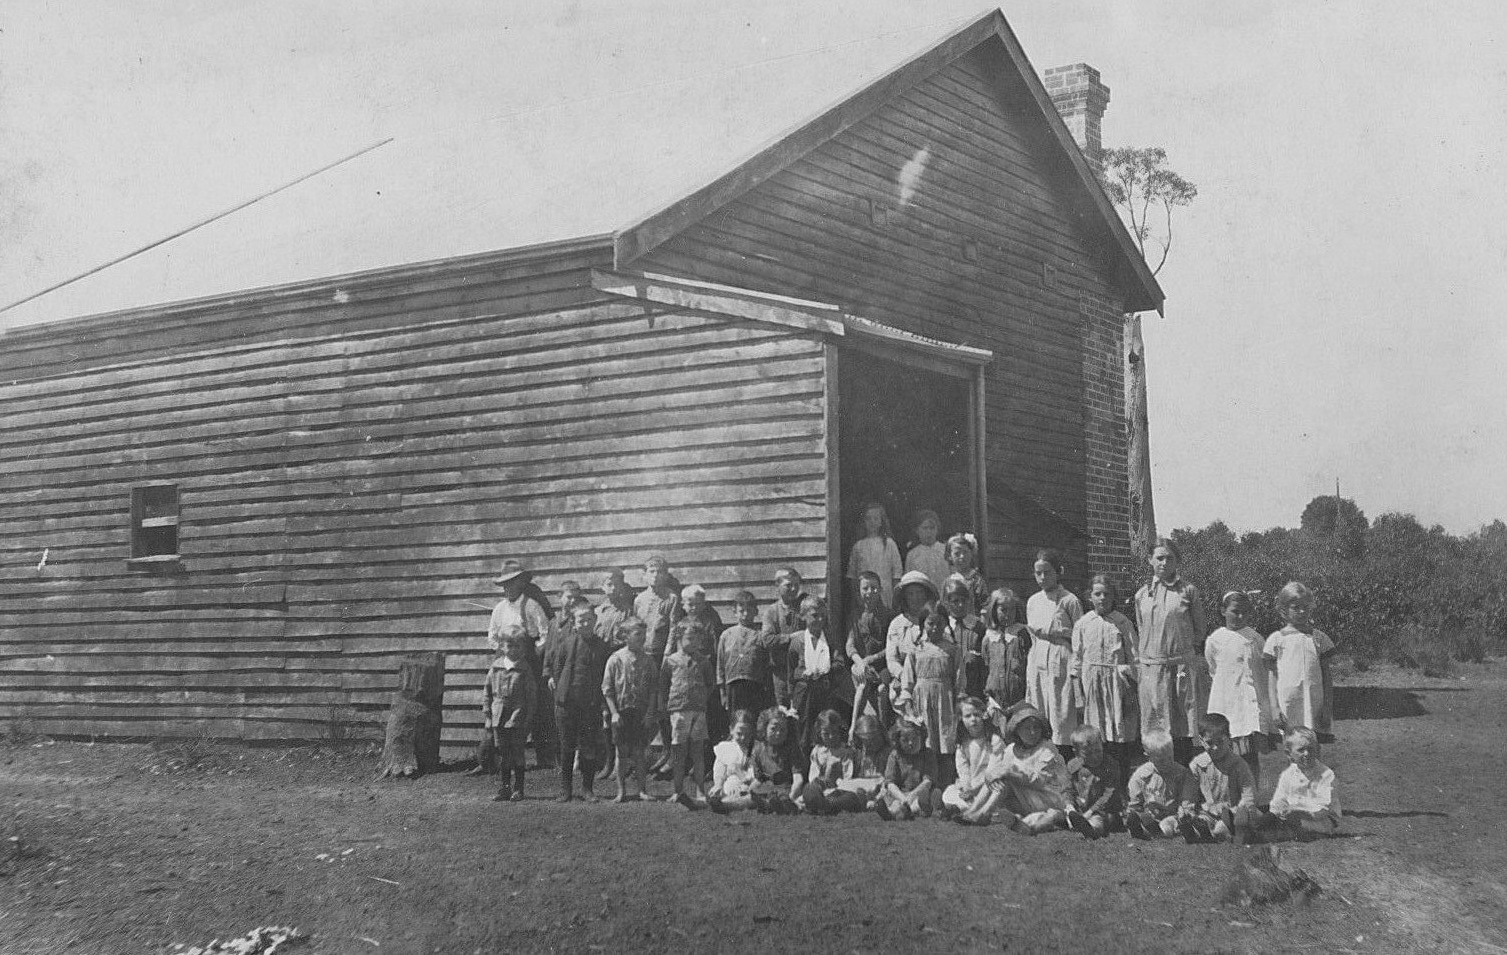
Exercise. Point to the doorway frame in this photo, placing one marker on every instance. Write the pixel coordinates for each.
(954, 361)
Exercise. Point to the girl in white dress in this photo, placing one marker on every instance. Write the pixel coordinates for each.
(1051, 614)
(876, 552)
(1294, 653)
(1239, 687)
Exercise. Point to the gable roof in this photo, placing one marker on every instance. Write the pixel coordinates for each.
(589, 167)
(990, 31)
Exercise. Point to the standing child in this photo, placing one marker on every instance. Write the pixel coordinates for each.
(612, 613)
(816, 666)
(928, 683)
(782, 619)
(876, 553)
(1104, 666)
(1007, 644)
(979, 745)
(832, 762)
(1170, 633)
(1238, 684)
(507, 706)
(1306, 790)
(1162, 791)
(743, 660)
(779, 775)
(1051, 614)
(910, 775)
(1094, 796)
(963, 557)
(1295, 653)
(1224, 781)
(576, 661)
(733, 767)
(966, 632)
(1028, 784)
(867, 639)
(658, 606)
(929, 556)
(630, 689)
(685, 681)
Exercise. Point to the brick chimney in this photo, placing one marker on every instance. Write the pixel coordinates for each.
(1080, 99)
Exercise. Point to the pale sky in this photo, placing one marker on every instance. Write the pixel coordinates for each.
(1333, 296)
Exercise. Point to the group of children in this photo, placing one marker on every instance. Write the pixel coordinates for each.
(945, 699)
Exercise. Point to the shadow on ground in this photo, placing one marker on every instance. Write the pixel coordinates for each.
(1376, 703)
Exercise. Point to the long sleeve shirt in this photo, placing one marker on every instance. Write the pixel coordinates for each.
(685, 682)
(1169, 622)
(510, 695)
(575, 661)
(631, 681)
(1167, 792)
(973, 757)
(1224, 784)
(1095, 789)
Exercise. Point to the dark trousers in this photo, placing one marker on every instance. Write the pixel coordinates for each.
(544, 729)
(748, 695)
(580, 726)
(809, 697)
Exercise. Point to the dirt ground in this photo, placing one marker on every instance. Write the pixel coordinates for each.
(132, 848)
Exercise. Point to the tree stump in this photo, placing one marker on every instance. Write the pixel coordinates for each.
(416, 718)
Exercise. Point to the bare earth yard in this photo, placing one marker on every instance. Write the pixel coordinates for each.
(131, 848)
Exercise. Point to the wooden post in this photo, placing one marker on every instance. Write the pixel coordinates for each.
(417, 716)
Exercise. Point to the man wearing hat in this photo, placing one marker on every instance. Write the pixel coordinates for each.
(524, 605)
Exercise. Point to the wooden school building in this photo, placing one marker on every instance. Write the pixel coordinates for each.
(228, 516)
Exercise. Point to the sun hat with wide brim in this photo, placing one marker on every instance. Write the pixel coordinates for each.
(1022, 713)
(920, 580)
(511, 570)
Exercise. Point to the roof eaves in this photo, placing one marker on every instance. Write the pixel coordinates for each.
(1151, 295)
(366, 280)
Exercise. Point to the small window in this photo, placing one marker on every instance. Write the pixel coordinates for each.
(154, 521)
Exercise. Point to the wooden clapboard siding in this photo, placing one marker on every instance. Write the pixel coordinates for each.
(992, 177)
(349, 482)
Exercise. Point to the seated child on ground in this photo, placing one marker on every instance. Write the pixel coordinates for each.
(1225, 782)
(1093, 786)
(979, 745)
(909, 775)
(1306, 789)
(871, 753)
(1162, 791)
(778, 764)
(832, 761)
(733, 767)
(1028, 783)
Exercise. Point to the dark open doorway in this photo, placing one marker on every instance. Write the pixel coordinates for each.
(905, 440)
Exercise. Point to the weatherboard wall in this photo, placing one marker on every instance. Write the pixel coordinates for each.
(350, 482)
(947, 212)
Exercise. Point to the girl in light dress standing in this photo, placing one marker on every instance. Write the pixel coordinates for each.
(1051, 614)
(1169, 651)
(1238, 684)
(1104, 666)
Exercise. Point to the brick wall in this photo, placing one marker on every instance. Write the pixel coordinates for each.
(1105, 437)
